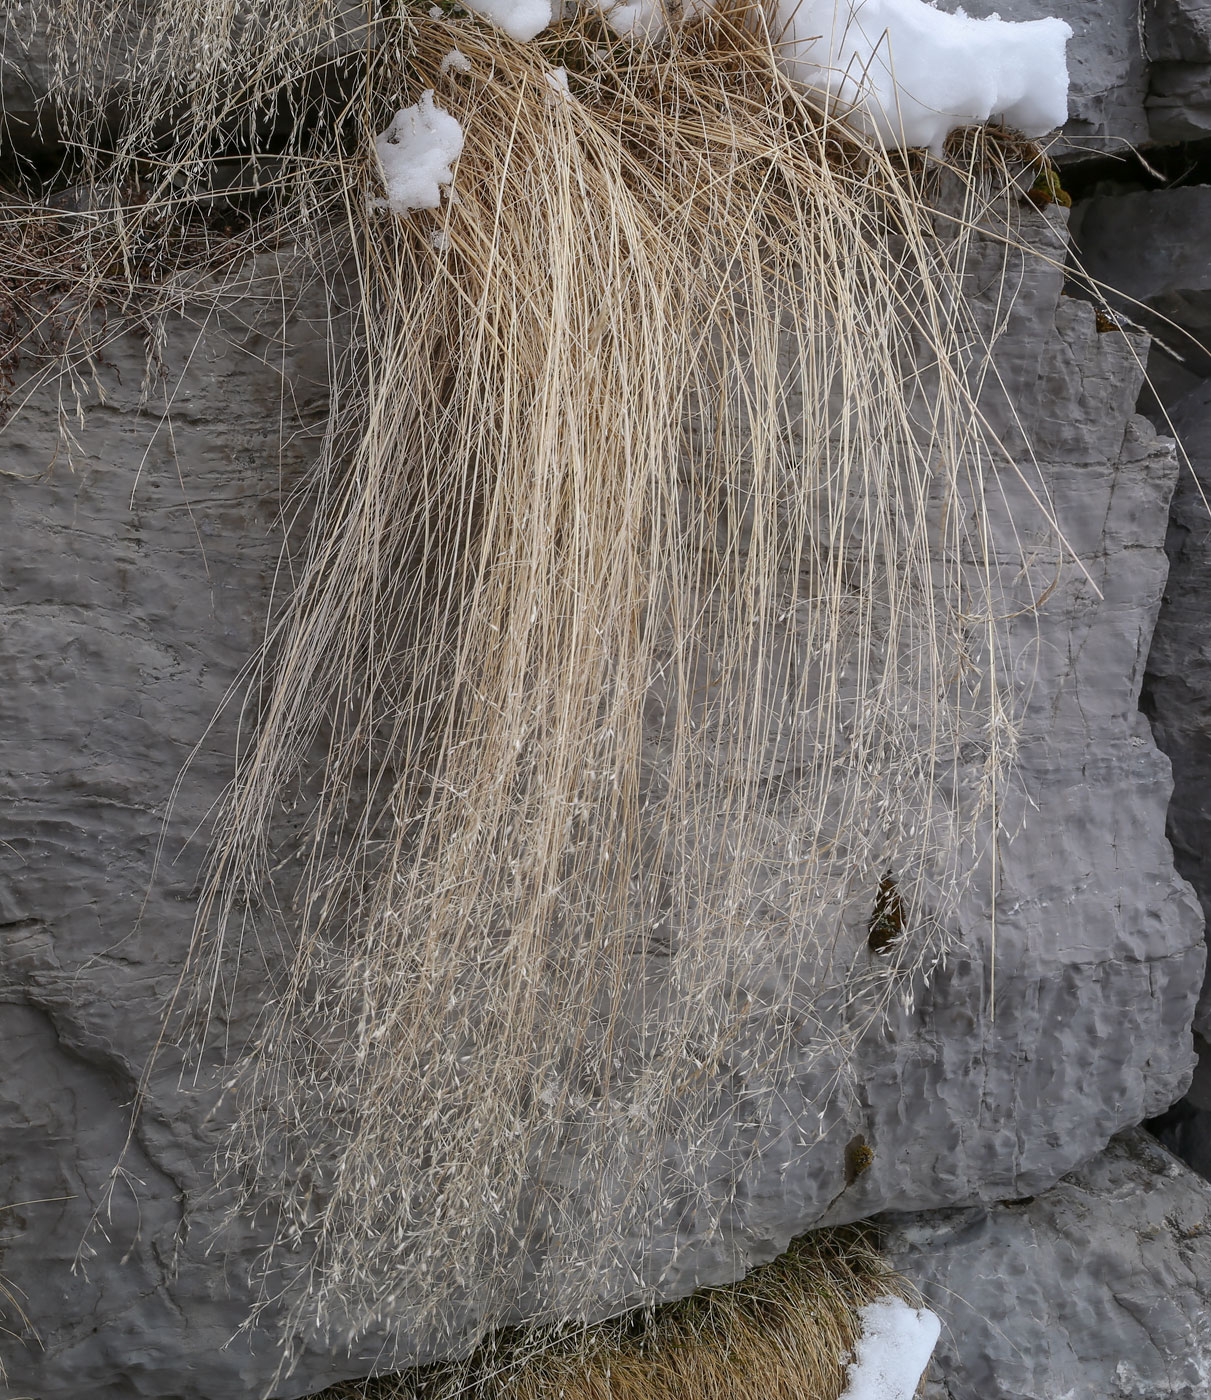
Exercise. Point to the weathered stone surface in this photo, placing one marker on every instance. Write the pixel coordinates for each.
(1146, 244)
(1178, 31)
(136, 579)
(1177, 699)
(1149, 247)
(1073, 404)
(136, 586)
(1179, 102)
(1177, 692)
(1178, 37)
(1099, 1289)
(1178, 40)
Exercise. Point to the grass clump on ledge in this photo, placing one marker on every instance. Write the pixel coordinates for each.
(784, 1332)
(646, 632)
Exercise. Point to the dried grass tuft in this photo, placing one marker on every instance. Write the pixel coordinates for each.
(784, 1332)
(645, 650)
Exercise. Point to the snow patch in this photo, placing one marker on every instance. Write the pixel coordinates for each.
(455, 60)
(901, 70)
(416, 154)
(640, 19)
(893, 1351)
(519, 19)
(909, 74)
(647, 19)
(557, 81)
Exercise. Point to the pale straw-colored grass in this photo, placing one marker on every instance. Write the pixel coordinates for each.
(785, 1332)
(646, 633)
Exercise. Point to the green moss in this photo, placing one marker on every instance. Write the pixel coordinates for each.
(1047, 188)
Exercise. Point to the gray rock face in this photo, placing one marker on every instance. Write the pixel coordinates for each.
(1149, 246)
(1178, 686)
(1179, 102)
(1177, 698)
(1099, 1289)
(136, 584)
(1178, 31)
(1178, 39)
(1071, 403)
(136, 580)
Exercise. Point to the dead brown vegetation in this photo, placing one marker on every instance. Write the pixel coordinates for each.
(648, 614)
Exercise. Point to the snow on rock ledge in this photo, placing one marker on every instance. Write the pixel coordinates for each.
(893, 1350)
(909, 74)
(900, 70)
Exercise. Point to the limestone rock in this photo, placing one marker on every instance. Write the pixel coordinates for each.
(1098, 1289)
(1178, 31)
(1179, 102)
(1178, 683)
(136, 583)
(136, 578)
(1149, 247)
(1178, 39)
(1177, 699)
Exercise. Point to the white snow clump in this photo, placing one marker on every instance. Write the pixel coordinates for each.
(519, 19)
(642, 19)
(557, 82)
(647, 19)
(909, 74)
(416, 153)
(455, 61)
(893, 1351)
